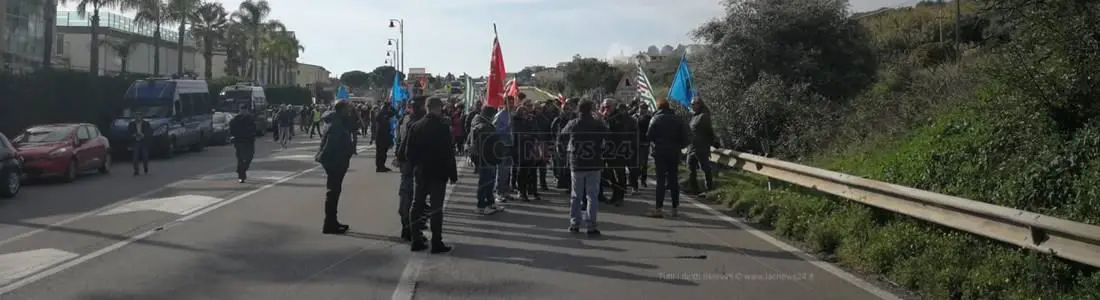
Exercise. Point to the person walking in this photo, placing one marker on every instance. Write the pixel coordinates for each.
(138, 129)
(407, 185)
(667, 134)
(640, 166)
(623, 132)
(384, 141)
(587, 137)
(430, 151)
(485, 152)
(561, 142)
(243, 129)
(702, 138)
(335, 157)
(503, 122)
(285, 120)
(527, 154)
(315, 122)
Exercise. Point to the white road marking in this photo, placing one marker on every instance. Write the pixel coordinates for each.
(95, 212)
(301, 157)
(84, 258)
(180, 205)
(22, 264)
(824, 266)
(258, 174)
(406, 286)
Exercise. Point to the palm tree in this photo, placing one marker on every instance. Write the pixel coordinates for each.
(235, 43)
(155, 13)
(209, 23)
(49, 11)
(289, 49)
(83, 7)
(272, 30)
(181, 11)
(123, 48)
(251, 15)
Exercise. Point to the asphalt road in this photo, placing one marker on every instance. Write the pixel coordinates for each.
(189, 231)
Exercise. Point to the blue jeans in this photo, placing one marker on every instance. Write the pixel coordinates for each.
(504, 174)
(486, 174)
(585, 184)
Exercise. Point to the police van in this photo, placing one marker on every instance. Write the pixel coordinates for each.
(179, 110)
(250, 95)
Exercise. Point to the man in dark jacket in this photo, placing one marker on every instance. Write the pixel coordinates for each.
(587, 137)
(485, 152)
(243, 129)
(702, 138)
(561, 142)
(140, 130)
(430, 150)
(337, 147)
(622, 139)
(667, 135)
(640, 166)
(405, 191)
(384, 139)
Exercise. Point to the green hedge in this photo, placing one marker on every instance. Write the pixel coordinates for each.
(72, 96)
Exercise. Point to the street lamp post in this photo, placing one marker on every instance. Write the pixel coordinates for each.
(398, 60)
(400, 24)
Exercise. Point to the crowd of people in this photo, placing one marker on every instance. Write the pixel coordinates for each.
(587, 147)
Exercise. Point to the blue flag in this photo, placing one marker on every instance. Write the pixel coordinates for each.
(683, 88)
(342, 93)
(398, 94)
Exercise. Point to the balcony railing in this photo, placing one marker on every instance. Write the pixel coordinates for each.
(122, 23)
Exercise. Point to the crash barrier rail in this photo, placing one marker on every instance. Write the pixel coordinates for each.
(1070, 240)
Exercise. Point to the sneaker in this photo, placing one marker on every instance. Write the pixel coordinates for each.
(593, 232)
(655, 213)
(485, 211)
(574, 228)
(672, 212)
(496, 208)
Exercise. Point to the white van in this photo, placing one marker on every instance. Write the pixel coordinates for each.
(249, 95)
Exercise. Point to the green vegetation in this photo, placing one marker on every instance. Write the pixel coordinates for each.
(72, 96)
(1013, 121)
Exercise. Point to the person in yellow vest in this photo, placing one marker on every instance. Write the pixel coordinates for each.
(315, 124)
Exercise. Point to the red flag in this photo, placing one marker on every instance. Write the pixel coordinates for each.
(495, 86)
(512, 89)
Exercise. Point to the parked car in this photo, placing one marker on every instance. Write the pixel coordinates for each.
(221, 128)
(63, 150)
(11, 169)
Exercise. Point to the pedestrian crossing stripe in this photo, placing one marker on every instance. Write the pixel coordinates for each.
(179, 205)
(15, 266)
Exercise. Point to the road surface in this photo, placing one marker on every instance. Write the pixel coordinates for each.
(189, 231)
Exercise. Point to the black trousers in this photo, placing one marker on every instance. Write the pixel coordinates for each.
(245, 151)
(381, 150)
(640, 169)
(427, 190)
(527, 183)
(314, 128)
(667, 168)
(334, 184)
(542, 165)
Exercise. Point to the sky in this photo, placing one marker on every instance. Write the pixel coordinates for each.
(456, 35)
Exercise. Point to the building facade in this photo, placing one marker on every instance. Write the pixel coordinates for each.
(124, 46)
(22, 33)
(308, 74)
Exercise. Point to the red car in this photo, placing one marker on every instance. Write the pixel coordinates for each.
(63, 150)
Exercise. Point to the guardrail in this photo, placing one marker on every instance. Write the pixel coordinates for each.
(1063, 238)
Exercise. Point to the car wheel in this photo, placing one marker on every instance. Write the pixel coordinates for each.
(106, 167)
(200, 145)
(70, 171)
(170, 149)
(12, 184)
